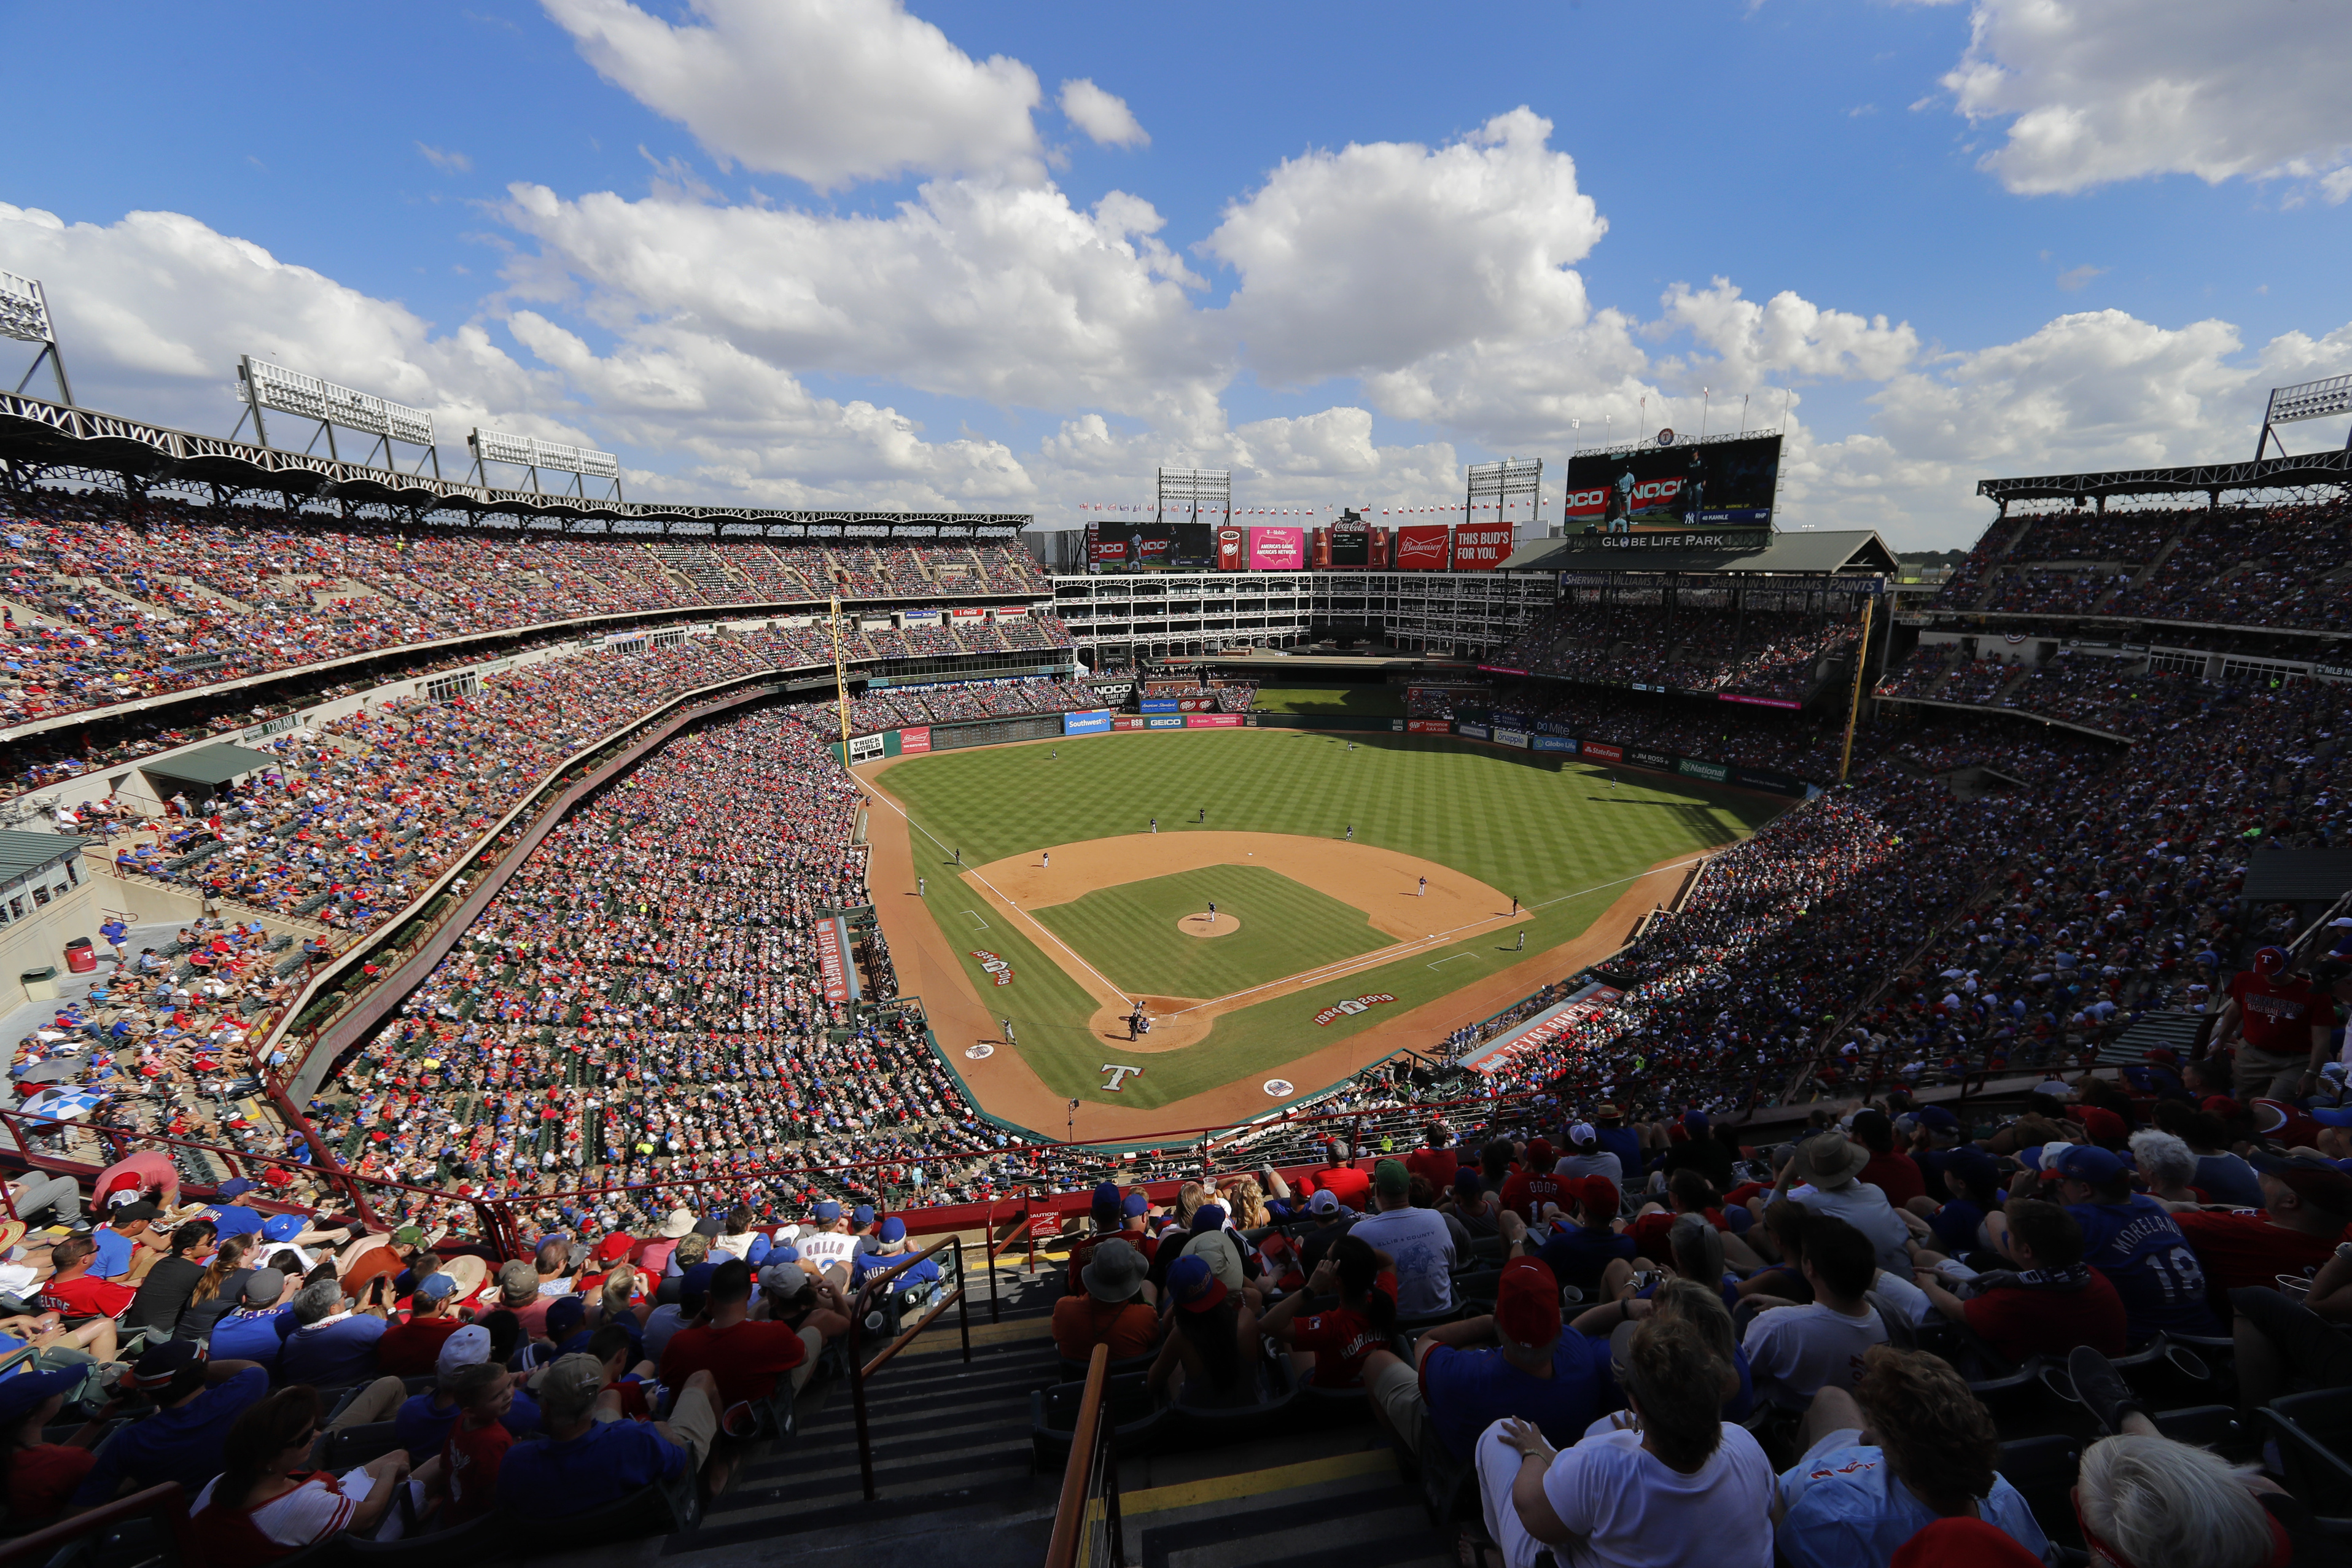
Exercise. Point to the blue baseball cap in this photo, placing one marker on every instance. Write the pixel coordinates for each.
(236, 1186)
(2088, 1162)
(564, 1314)
(1136, 1204)
(1208, 1217)
(696, 1281)
(1935, 1116)
(1106, 1195)
(827, 1211)
(785, 1255)
(894, 1230)
(863, 1214)
(281, 1228)
(757, 1253)
(20, 1396)
(438, 1287)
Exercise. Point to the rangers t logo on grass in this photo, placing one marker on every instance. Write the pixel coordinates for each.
(1120, 1072)
(1353, 1004)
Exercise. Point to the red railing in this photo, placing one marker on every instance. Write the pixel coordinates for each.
(1086, 1528)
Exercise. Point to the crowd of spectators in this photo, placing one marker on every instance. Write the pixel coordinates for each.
(109, 599)
(1807, 745)
(1635, 639)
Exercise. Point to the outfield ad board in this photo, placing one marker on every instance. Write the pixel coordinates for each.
(1422, 548)
(1164, 721)
(1481, 547)
(1674, 487)
(1555, 743)
(1470, 731)
(913, 742)
(1128, 721)
(1429, 727)
(1097, 722)
(1507, 737)
(1158, 705)
(1212, 721)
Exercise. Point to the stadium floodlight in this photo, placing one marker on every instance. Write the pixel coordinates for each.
(1506, 484)
(25, 316)
(1193, 491)
(263, 385)
(585, 463)
(2311, 400)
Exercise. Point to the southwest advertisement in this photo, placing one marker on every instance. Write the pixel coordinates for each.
(1094, 723)
(1716, 485)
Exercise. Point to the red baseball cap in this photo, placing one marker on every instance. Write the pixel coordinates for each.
(1527, 1301)
(1963, 1542)
(2100, 1124)
(614, 1247)
(1540, 1159)
(1598, 1195)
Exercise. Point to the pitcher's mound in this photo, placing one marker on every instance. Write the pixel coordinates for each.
(1200, 924)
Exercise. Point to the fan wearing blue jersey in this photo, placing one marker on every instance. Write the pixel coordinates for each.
(2131, 1238)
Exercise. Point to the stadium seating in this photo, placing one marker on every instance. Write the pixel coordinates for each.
(1768, 652)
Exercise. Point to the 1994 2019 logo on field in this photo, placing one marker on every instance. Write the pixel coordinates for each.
(1353, 1004)
(998, 969)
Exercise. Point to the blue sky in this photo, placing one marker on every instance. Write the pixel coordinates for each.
(2111, 290)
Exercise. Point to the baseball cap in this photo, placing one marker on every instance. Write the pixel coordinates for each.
(2316, 1181)
(159, 1364)
(564, 1314)
(469, 1346)
(263, 1287)
(1598, 1195)
(1527, 1301)
(236, 1186)
(438, 1287)
(894, 1230)
(2270, 961)
(2221, 1105)
(281, 1228)
(1194, 1285)
(1391, 1179)
(1208, 1217)
(2090, 1163)
(1540, 1154)
(1582, 1135)
(612, 1247)
(1134, 1204)
(570, 1386)
(1468, 1183)
(409, 1235)
(1106, 1195)
(1325, 1201)
(782, 1253)
(827, 1212)
(22, 1395)
(695, 1282)
(2099, 1124)
(783, 1280)
(140, 1209)
(863, 1214)
(1694, 1120)
(1939, 1118)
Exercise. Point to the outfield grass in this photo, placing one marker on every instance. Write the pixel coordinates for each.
(1370, 702)
(1539, 827)
(1128, 932)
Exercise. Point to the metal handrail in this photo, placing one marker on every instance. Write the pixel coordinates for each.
(166, 1498)
(860, 1371)
(1090, 1458)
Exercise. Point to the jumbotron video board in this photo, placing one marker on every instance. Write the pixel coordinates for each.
(1714, 487)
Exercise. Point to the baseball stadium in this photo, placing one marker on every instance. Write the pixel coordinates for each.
(976, 837)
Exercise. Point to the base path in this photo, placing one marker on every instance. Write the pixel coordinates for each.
(1005, 1084)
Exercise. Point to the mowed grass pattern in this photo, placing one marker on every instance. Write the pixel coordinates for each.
(1129, 932)
(1548, 829)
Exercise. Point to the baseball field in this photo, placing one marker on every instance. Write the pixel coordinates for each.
(1369, 891)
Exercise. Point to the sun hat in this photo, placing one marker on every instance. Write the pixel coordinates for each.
(677, 1223)
(1831, 1163)
(468, 1270)
(1115, 1271)
(1194, 1285)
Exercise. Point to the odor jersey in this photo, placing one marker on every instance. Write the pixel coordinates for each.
(2151, 1265)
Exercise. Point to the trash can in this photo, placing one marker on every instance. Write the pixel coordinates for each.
(40, 985)
(80, 957)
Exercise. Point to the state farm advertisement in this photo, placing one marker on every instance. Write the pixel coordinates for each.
(1424, 549)
(1600, 753)
(1481, 547)
(914, 740)
(1277, 549)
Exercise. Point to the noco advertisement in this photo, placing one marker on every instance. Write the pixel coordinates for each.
(1151, 546)
(1718, 487)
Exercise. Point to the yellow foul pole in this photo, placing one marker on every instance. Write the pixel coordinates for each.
(1861, 673)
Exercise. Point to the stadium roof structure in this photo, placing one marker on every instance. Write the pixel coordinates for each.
(52, 436)
(1843, 549)
(2331, 467)
(214, 764)
(24, 853)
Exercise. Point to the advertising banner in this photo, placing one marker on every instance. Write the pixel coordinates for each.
(1094, 723)
(1501, 670)
(921, 617)
(1169, 721)
(1233, 549)
(1212, 721)
(971, 613)
(998, 969)
(1352, 1006)
(1656, 760)
(1424, 549)
(1154, 547)
(864, 747)
(1551, 1024)
(913, 741)
(1481, 547)
(832, 959)
(1600, 753)
(1128, 721)
(1713, 772)
(1277, 549)
(1160, 705)
(1776, 783)
(1518, 738)
(1725, 484)
(1473, 731)
(1429, 727)
(1757, 702)
(1350, 547)
(1555, 743)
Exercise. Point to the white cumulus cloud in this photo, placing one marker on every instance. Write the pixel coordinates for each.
(1103, 116)
(828, 92)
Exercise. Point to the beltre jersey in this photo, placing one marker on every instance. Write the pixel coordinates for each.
(2151, 1265)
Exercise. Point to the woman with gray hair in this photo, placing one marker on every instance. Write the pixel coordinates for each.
(2168, 1165)
(2147, 1501)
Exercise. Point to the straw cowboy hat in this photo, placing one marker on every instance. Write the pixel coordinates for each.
(1832, 1162)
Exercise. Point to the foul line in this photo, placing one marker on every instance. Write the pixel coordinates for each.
(1394, 953)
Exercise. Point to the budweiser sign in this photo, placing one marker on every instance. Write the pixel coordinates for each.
(998, 969)
(1351, 1006)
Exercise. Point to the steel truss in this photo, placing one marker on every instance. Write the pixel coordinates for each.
(42, 439)
(2209, 479)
